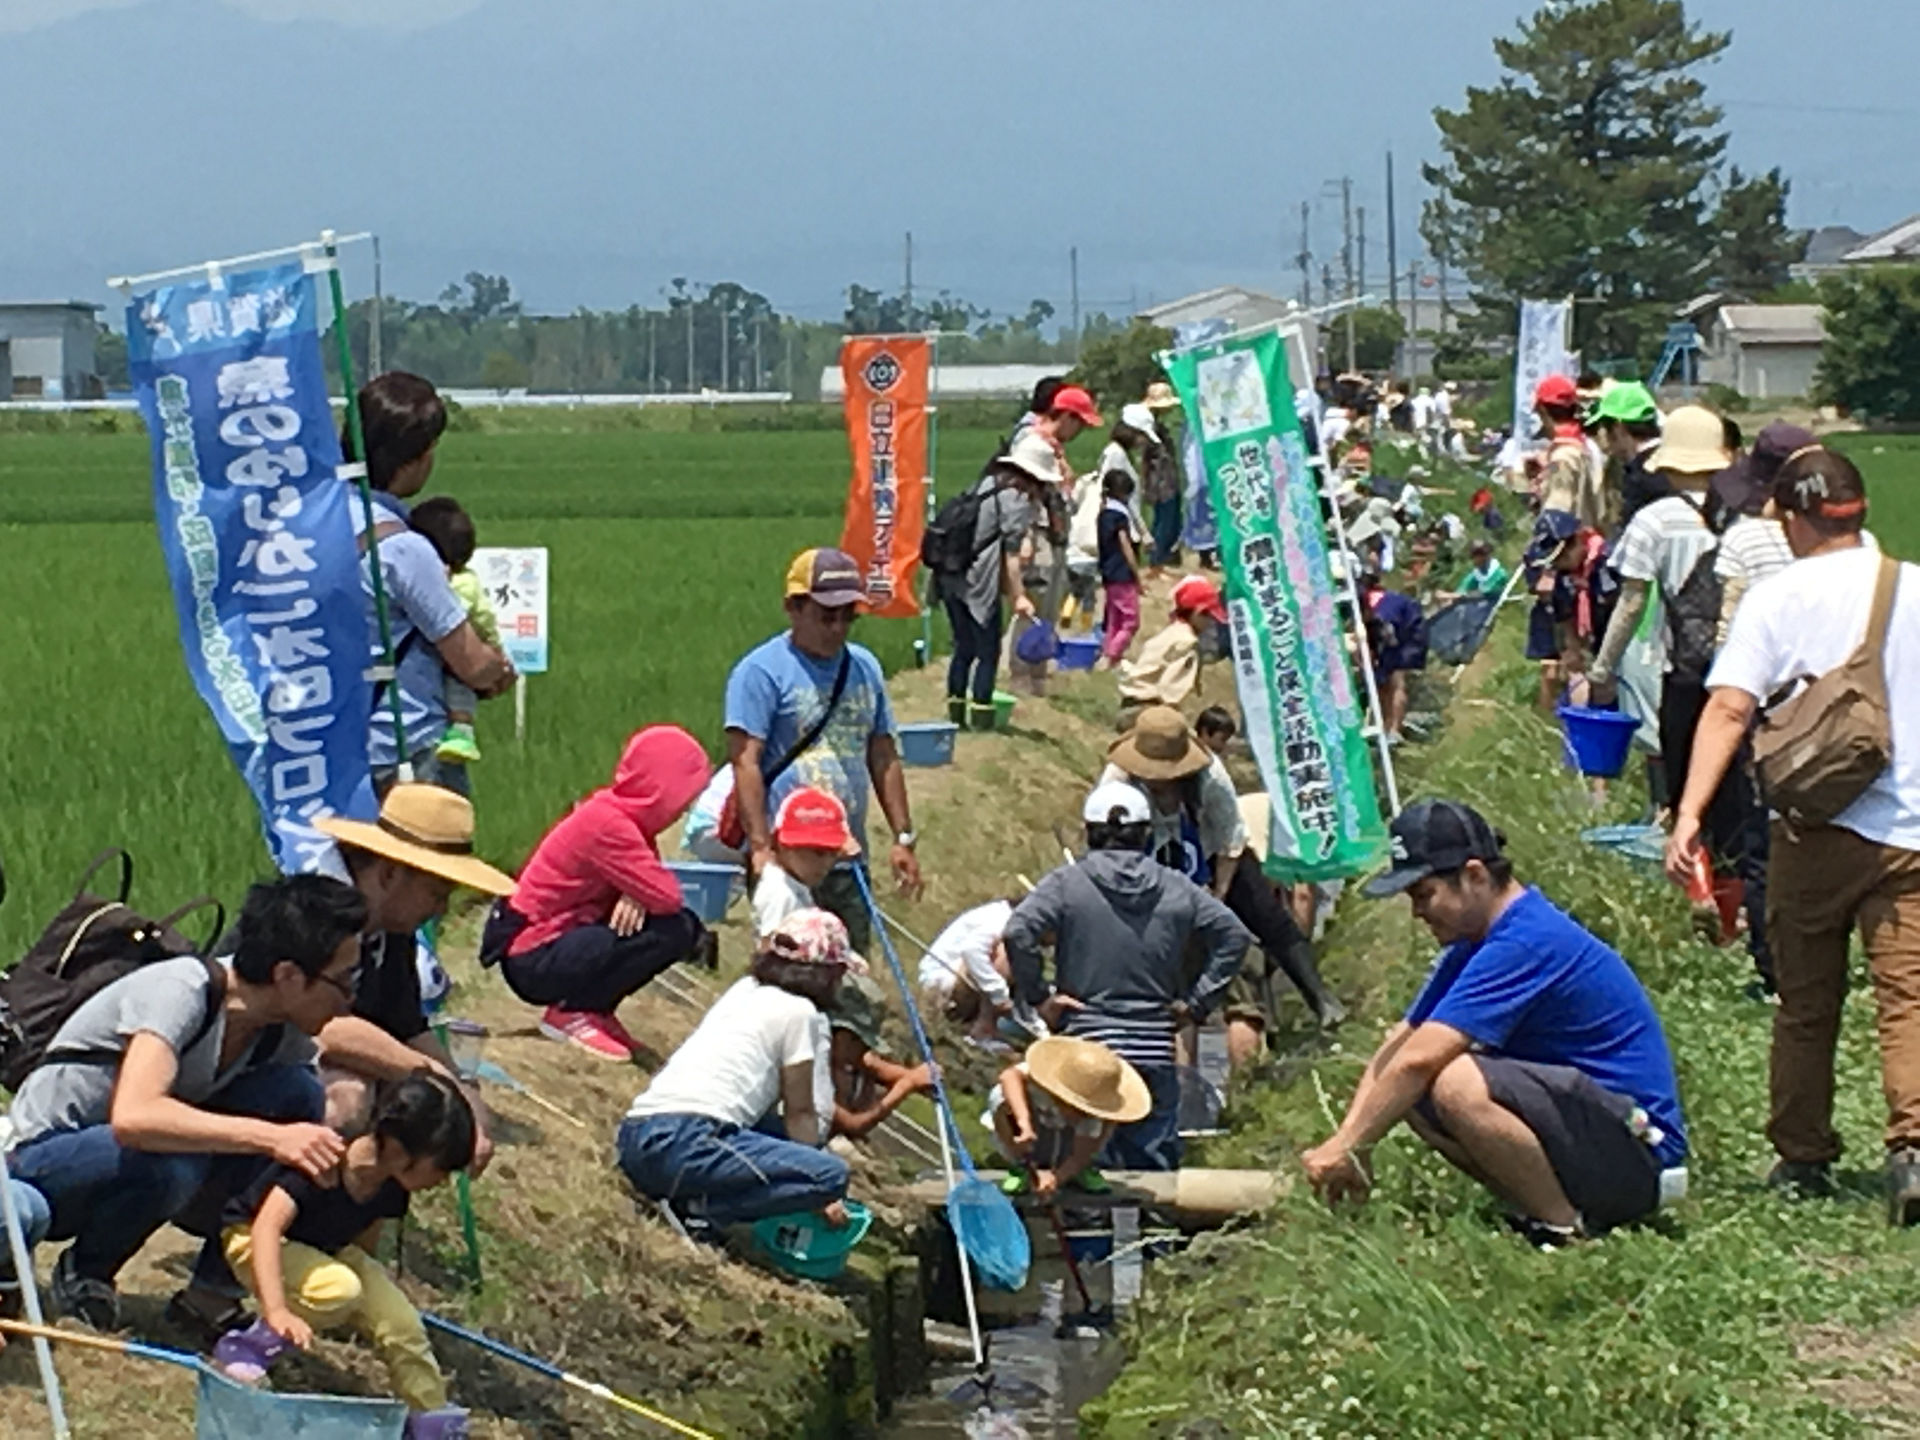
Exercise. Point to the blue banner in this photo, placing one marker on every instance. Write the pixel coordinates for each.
(259, 545)
(1199, 528)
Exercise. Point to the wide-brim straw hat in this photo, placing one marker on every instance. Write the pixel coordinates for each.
(1160, 747)
(424, 828)
(1160, 396)
(1091, 1078)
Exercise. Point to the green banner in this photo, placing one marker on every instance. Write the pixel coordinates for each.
(1303, 711)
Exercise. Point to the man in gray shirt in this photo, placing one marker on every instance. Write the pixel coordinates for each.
(185, 1076)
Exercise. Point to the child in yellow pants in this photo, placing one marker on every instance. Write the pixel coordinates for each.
(301, 1245)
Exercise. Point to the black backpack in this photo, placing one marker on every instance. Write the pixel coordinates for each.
(91, 943)
(949, 548)
(1693, 612)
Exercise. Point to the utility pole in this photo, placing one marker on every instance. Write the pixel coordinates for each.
(1326, 284)
(725, 316)
(653, 357)
(908, 291)
(1305, 257)
(1346, 257)
(1073, 273)
(789, 330)
(376, 359)
(1393, 244)
(689, 342)
(759, 371)
(1413, 319)
(1360, 216)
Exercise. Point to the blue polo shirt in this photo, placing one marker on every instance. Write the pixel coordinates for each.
(1539, 987)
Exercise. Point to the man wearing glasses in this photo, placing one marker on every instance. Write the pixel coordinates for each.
(166, 1089)
(809, 707)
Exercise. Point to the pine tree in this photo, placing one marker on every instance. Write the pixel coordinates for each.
(1586, 170)
(1752, 244)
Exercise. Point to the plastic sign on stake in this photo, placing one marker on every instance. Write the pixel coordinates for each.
(514, 580)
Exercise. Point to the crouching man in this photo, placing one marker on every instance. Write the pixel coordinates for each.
(1531, 1059)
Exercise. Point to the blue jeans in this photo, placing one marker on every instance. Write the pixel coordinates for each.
(724, 1174)
(109, 1200)
(1153, 1143)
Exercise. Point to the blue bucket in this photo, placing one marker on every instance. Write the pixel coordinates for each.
(928, 742)
(803, 1244)
(1598, 741)
(707, 889)
(230, 1411)
(1079, 652)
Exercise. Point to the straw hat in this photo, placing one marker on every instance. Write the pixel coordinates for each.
(424, 828)
(1693, 441)
(1091, 1078)
(1160, 396)
(1160, 747)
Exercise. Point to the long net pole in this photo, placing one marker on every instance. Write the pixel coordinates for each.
(386, 671)
(932, 505)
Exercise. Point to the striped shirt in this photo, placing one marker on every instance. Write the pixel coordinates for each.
(1751, 550)
(1143, 1043)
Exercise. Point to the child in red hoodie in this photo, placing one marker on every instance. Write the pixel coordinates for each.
(596, 914)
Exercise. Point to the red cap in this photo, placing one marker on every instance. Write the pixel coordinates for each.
(1558, 391)
(1197, 593)
(1075, 401)
(812, 819)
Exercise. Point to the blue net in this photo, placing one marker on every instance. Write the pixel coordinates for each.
(984, 1221)
(229, 1411)
(1455, 634)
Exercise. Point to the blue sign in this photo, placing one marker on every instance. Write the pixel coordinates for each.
(1200, 530)
(258, 541)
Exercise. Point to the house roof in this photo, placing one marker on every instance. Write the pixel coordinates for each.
(1775, 324)
(86, 305)
(1244, 307)
(1897, 242)
(1701, 305)
(1830, 243)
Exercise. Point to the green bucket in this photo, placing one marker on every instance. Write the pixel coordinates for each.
(803, 1244)
(1003, 704)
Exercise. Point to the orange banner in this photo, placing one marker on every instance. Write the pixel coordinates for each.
(886, 379)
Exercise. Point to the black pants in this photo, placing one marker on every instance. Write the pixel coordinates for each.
(591, 968)
(1736, 819)
(839, 894)
(1250, 896)
(976, 652)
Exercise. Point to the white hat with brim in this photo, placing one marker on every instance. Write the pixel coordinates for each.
(1032, 455)
(1693, 441)
(1091, 1078)
(1137, 417)
(424, 828)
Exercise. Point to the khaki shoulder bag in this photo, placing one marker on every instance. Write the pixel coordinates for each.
(1817, 752)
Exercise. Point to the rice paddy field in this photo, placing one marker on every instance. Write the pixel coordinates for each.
(668, 551)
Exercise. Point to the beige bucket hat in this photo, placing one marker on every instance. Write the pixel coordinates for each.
(1160, 747)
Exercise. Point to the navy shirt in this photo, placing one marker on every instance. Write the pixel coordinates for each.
(1114, 522)
(1541, 988)
(326, 1216)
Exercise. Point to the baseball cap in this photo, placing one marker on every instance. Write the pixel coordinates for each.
(814, 937)
(1629, 402)
(1137, 417)
(1075, 401)
(1434, 837)
(813, 819)
(1556, 390)
(1823, 483)
(858, 1005)
(1744, 486)
(1197, 593)
(828, 577)
(1116, 803)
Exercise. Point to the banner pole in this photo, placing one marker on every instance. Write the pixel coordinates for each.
(932, 506)
(1296, 342)
(355, 432)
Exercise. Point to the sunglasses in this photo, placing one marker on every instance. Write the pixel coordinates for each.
(345, 984)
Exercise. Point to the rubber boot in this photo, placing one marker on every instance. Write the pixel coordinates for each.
(447, 1423)
(980, 717)
(957, 710)
(247, 1355)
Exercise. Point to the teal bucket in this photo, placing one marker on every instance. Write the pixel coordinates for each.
(706, 888)
(928, 743)
(231, 1411)
(803, 1244)
(1598, 741)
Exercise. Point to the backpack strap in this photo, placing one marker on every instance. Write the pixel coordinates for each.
(93, 868)
(1880, 618)
(172, 920)
(819, 727)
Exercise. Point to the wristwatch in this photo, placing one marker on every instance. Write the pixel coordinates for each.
(905, 839)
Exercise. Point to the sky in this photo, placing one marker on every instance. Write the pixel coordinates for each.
(594, 150)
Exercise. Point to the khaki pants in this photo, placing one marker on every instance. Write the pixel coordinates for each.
(351, 1290)
(1822, 884)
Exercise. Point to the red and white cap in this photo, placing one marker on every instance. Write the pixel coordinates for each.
(814, 819)
(1196, 593)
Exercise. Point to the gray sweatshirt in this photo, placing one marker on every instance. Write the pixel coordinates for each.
(1121, 922)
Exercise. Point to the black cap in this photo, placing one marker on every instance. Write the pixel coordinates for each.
(1434, 837)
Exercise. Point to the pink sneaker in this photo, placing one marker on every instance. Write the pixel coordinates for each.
(611, 1024)
(596, 1034)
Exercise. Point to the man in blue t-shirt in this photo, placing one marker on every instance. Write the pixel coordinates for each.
(787, 728)
(1532, 1058)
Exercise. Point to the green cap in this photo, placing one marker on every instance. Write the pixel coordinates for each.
(1629, 402)
(859, 1006)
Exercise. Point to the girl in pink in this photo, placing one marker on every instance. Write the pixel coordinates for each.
(1119, 565)
(596, 914)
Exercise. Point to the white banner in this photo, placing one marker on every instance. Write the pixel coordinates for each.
(1540, 351)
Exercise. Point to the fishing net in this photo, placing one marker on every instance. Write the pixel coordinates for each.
(1455, 633)
(230, 1411)
(991, 1231)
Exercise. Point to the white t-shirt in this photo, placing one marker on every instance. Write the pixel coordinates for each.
(965, 947)
(1662, 543)
(1422, 411)
(776, 896)
(729, 1068)
(1809, 619)
(1751, 550)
